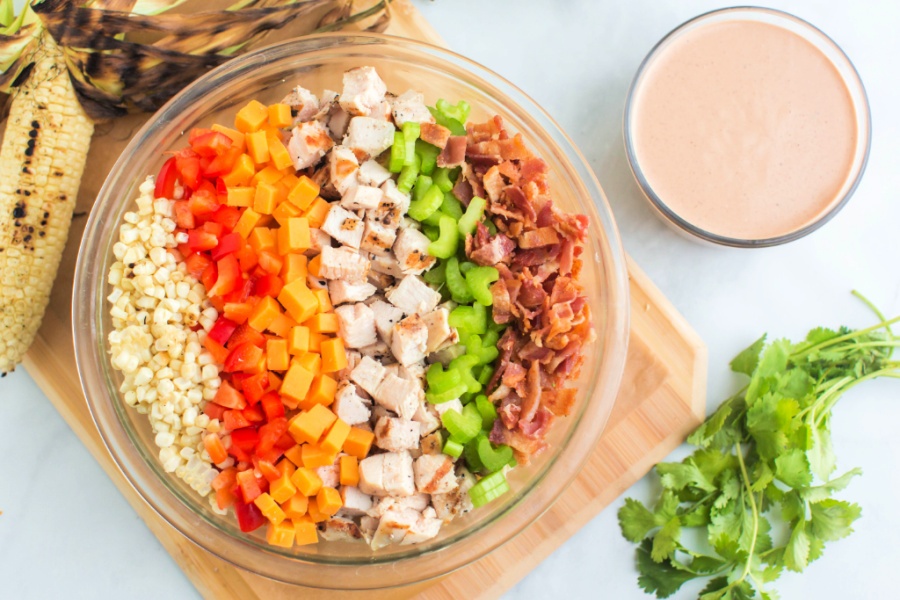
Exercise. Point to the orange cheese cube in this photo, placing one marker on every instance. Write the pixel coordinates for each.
(262, 238)
(315, 342)
(258, 147)
(265, 198)
(284, 211)
(295, 506)
(317, 212)
(268, 175)
(280, 534)
(309, 426)
(310, 361)
(321, 392)
(294, 454)
(248, 220)
(349, 471)
(323, 323)
(252, 117)
(305, 531)
(314, 265)
(298, 340)
(274, 382)
(358, 442)
(288, 177)
(328, 501)
(335, 438)
(280, 115)
(324, 301)
(240, 196)
(241, 173)
(281, 326)
(334, 355)
(298, 300)
(304, 192)
(306, 481)
(269, 508)
(315, 457)
(295, 267)
(295, 385)
(280, 157)
(264, 313)
(282, 489)
(294, 236)
(286, 467)
(277, 358)
(313, 512)
(237, 138)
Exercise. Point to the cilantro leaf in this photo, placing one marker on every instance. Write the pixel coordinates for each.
(746, 361)
(665, 542)
(792, 468)
(663, 579)
(833, 519)
(821, 492)
(635, 520)
(796, 554)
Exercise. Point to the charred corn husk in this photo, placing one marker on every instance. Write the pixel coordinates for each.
(43, 155)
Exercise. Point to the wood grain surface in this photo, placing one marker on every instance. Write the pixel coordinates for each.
(662, 398)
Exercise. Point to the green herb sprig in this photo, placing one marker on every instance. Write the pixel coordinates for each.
(763, 470)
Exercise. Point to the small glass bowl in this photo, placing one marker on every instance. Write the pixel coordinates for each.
(317, 62)
(818, 39)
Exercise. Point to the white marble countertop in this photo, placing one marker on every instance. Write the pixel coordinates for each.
(66, 531)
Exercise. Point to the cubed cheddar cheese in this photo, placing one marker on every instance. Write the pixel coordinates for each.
(286, 467)
(281, 326)
(308, 427)
(295, 267)
(258, 147)
(277, 357)
(280, 115)
(358, 442)
(285, 211)
(282, 489)
(269, 508)
(237, 138)
(314, 457)
(241, 173)
(335, 438)
(305, 531)
(298, 340)
(328, 501)
(295, 506)
(298, 300)
(321, 392)
(268, 175)
(317, 212)
(311, 361)
(248, 220)
(266, 198)
(295, 385)
(324, 300)
(304, 192)
(349, 470)
(279, 156)
(306, 481)
(294, 236)
(323, 323)
(265, 311)
(295, 455)
(251, 117)
(334, 355)
(262, 238)
(314, 265)
(239, 196)
(281, 534)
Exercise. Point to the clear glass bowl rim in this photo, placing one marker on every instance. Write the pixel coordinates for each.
(89, 298)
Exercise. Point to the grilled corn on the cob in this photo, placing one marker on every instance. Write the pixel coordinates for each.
(43, 155)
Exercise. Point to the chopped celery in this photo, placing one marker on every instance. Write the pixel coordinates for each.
(431, 232)
(488, 411)
(458, 112)
(456, 283)
(474, 214)
(430, 202)
(410, 135)
(440, 380)
(463, 365)
(485, 376)
(428, 153)
(492, 229)
(463, 426)
(451, 206)
(466, 266)
(434, 219)
(446, 396)
(455, 127)
(488, 488)
(408, 175)
(442, 179)
(483, 350)
(468, 319)
(478, 280)
(445, 245)
(437, 275)
(398, 153)
(423, 182)
(471, 453)
(491, 336)
(492, 458)
(453, 448)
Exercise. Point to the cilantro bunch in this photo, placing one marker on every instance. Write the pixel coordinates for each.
(759, 488)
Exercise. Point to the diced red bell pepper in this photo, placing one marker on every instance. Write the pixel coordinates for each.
(228, 276)
(187, 163)
(225, 480)
(225, 498)
(226, 216)
(214, 411)
(222, 330)
(239, 455)
(211, 143)
(244, 357)
(249, 517)
(272, 405)
(272, 454)
(253, 414)
(196, 264)
(248, 485)
(229, 397)
(223, 163)
(268, 285)
(244, 334)
(267, 469)
(215, 448)
(234, 419)
(184, 218)
(237, 380)
(285, 442)
(200, 240)
(204, 201)
(165, 181)
(228, 244)
(209, 276)
(214, 228)
(270, 433)
(218, 351)
(246, 438)
(255, 387)
(197, 132)
(241, 293)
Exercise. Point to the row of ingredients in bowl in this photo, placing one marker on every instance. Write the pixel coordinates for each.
(349, 316)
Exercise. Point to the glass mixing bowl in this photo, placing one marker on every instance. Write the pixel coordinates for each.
(318, 62)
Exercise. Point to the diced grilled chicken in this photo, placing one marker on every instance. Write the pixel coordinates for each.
(413, 296)
(410, 107)
(396, 434)
(316, 283)
(368, 137)
(367, 526)
(432, 443)
(417, 502)
(327, 101)
(309, 143)
(399, 395)
(343, 169)
(363, 91)
(387, 474)
(372, 173)
(413, 371)
(338, 120)
(355, 502)
(368, 374)
(438, 324)
(319, 239)
(343, 263)
(386, 316)
(357, 325)
(434, 474)
(362, 197)
(393, 527)
(344, 226)
(342, 291)
(428, 422)
(379, 351)
(443, 407)
(394, 205)
(353, 358)
(386, 264)
(427, 527)
(377, 238)
(409, 340)
(381, 281)
(349, 406)
(339, 529)
(330, 476)
(411, 250)
(455, 502)
(303, 103)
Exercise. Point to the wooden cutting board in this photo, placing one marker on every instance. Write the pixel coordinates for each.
(661, 400)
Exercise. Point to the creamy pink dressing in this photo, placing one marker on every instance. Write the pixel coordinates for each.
(744, 129)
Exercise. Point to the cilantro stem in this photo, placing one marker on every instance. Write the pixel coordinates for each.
(874, 309)
(740, 456)
(845, 337)
(831, 401)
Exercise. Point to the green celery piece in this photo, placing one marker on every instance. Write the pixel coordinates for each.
(427, 205)
(398, 153)
(453, 448)
(489, 488)
(445, 246)
(470, 450)
(463, 365)
(408, 176)
(446, 396)
(478, 280)
(423, 183)
(443, 180)
(486, 373)
(451, 206)
(456, 283)
(463, 426)
(434, 219)
(492, 229)
(474, 214)
(492, 458)
(431, 232)
(469, 319)
(491, 336)
(482, 349)
(488, 411)
(440, 380)
(458, 112)
(437, 275)
(428, 153)
(455, 127)
(466, 266)
(410, 135)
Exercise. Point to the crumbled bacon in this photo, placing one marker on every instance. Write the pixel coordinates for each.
(454, 153)
(536, 252)
(434, 134)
